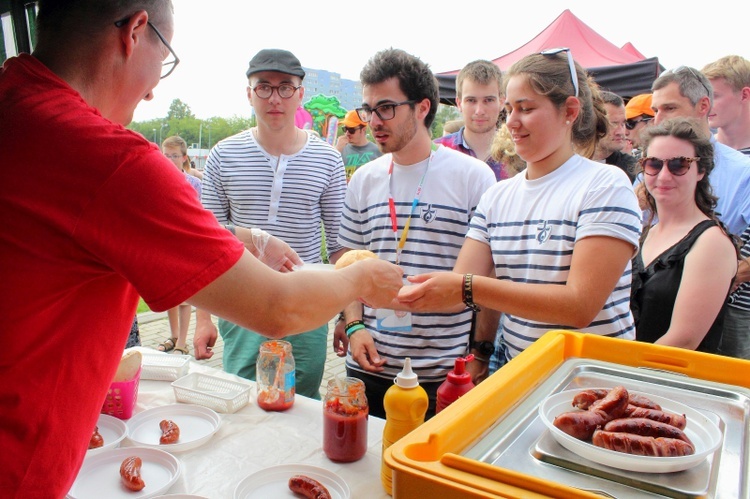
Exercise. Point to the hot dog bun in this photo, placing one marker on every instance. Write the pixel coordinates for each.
(352, 256)
(129, 365)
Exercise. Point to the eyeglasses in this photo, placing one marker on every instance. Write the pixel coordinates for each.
(352, 130)
(692, 72)
(384, 111)
(285, 90)
(173, 156)
(678, 166)
(166, 67)
(631, 124)
(571, 63)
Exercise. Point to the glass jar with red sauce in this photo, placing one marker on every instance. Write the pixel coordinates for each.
(345, 413)
(275, 376)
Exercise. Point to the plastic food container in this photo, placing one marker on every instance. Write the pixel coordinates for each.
(121, 397)
(219, 394)
(164, 367)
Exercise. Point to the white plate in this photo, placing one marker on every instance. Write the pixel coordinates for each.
(100, 474)
(704, 434)
(274, 482)
(315, 266)
(112, 430)
(197, 424)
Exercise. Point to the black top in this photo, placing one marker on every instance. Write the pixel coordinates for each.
(654, 291)
(625, 162)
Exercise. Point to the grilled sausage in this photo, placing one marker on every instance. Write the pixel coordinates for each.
(584, 399)
(130, 473)
(647, 428)
(676, 420)
(308, 487)
(170, 432)
(580, 424)
(614, 404)
(642, 446)
(96, 439)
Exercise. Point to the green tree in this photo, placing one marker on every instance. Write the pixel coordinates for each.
(444, 113)
(178, 110)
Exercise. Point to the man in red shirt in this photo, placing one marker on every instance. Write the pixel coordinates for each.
(93, 216)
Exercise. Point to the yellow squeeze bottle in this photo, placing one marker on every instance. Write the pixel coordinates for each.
(405, 406)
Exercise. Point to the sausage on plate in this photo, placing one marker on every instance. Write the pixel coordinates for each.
(130, 473)
(308, 487)
(630, 443)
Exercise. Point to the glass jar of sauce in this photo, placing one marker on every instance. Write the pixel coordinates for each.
(345, 413)
(275, 376)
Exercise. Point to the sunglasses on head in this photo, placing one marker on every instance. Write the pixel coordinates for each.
(631, 124)
(351, 130)
(677, 166)
(571, 64)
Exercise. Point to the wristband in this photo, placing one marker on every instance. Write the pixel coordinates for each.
(353, 327)
(467, 293)
(230, 228)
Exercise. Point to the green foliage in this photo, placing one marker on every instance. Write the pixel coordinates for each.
(444, 113)
(181, 121)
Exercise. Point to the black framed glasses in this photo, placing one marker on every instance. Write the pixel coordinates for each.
(682, 69)
(631, 124)
(285, 90)
(168, 66)
(384, 111)
(678, 166)
(571, 63)
(352, 130)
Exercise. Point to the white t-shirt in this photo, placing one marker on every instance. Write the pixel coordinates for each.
(533, 225)
(453, 185)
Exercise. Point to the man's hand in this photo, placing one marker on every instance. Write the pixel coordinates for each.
(341, 142)
(364, 351)
(205, 335)
(270, 250)
(340, 340)
(479, 370)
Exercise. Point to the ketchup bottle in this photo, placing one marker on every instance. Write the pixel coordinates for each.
(455, 385)
(405, 406)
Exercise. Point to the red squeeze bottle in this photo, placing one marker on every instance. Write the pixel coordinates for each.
(455, 385)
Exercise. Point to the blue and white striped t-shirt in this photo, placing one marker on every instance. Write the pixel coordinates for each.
(453, 184)
(287, 196)
(532, 227)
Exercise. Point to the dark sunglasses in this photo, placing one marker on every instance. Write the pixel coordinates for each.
(631, 124)
(678, 166)
(352, 130)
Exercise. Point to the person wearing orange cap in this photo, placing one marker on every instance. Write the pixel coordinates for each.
(353, 145)
(638, 115)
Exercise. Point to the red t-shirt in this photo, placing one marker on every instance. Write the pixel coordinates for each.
(92, 215)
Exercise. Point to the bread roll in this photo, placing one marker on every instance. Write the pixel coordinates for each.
(129, 365)
(352, 256)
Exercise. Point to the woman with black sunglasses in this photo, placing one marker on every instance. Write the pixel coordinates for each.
(686, 262)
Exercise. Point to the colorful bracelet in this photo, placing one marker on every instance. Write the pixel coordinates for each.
(467, 293)
(352, 327)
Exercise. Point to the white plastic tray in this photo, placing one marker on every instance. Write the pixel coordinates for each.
(216, 393)
(164, 367)
(704, 434)
(197, 425)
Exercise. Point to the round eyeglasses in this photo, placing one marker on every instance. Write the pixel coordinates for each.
(678, 166)
(285, 90)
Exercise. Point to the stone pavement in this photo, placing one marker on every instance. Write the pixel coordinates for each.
(154, 328)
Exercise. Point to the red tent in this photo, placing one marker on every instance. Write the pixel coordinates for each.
(624, 71)
(628, 47)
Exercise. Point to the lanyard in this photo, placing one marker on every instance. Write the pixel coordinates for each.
(400, 242)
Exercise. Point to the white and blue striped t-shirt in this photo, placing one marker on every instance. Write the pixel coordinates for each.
(287, 196)
(453, 184)
(532, 227)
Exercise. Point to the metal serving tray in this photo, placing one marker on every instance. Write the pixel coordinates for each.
(519, 440)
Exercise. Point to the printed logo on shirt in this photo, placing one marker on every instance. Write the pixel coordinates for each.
(543, 232)
(428, 213)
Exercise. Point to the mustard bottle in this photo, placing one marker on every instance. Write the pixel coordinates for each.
(405, 406)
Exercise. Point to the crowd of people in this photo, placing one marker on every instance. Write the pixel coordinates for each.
(555, 204)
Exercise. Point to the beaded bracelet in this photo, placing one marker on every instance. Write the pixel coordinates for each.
(352, 327)
(467, 294)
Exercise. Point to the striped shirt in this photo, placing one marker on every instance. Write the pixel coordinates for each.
(453, 184)
(287, 196)
(741, 297)
(532, 227)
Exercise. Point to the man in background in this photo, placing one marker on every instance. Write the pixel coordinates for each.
(479, 98)
(609, 148)
(353, 145)
(638, 115)
(281, 179)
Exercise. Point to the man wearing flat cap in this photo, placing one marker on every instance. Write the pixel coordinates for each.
(285, 181)
(638, 115)
(353, 144)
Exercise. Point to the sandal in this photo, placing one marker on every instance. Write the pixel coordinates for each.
(167, 345)
(183, 351)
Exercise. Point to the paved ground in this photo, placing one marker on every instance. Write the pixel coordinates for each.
(154, 329)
